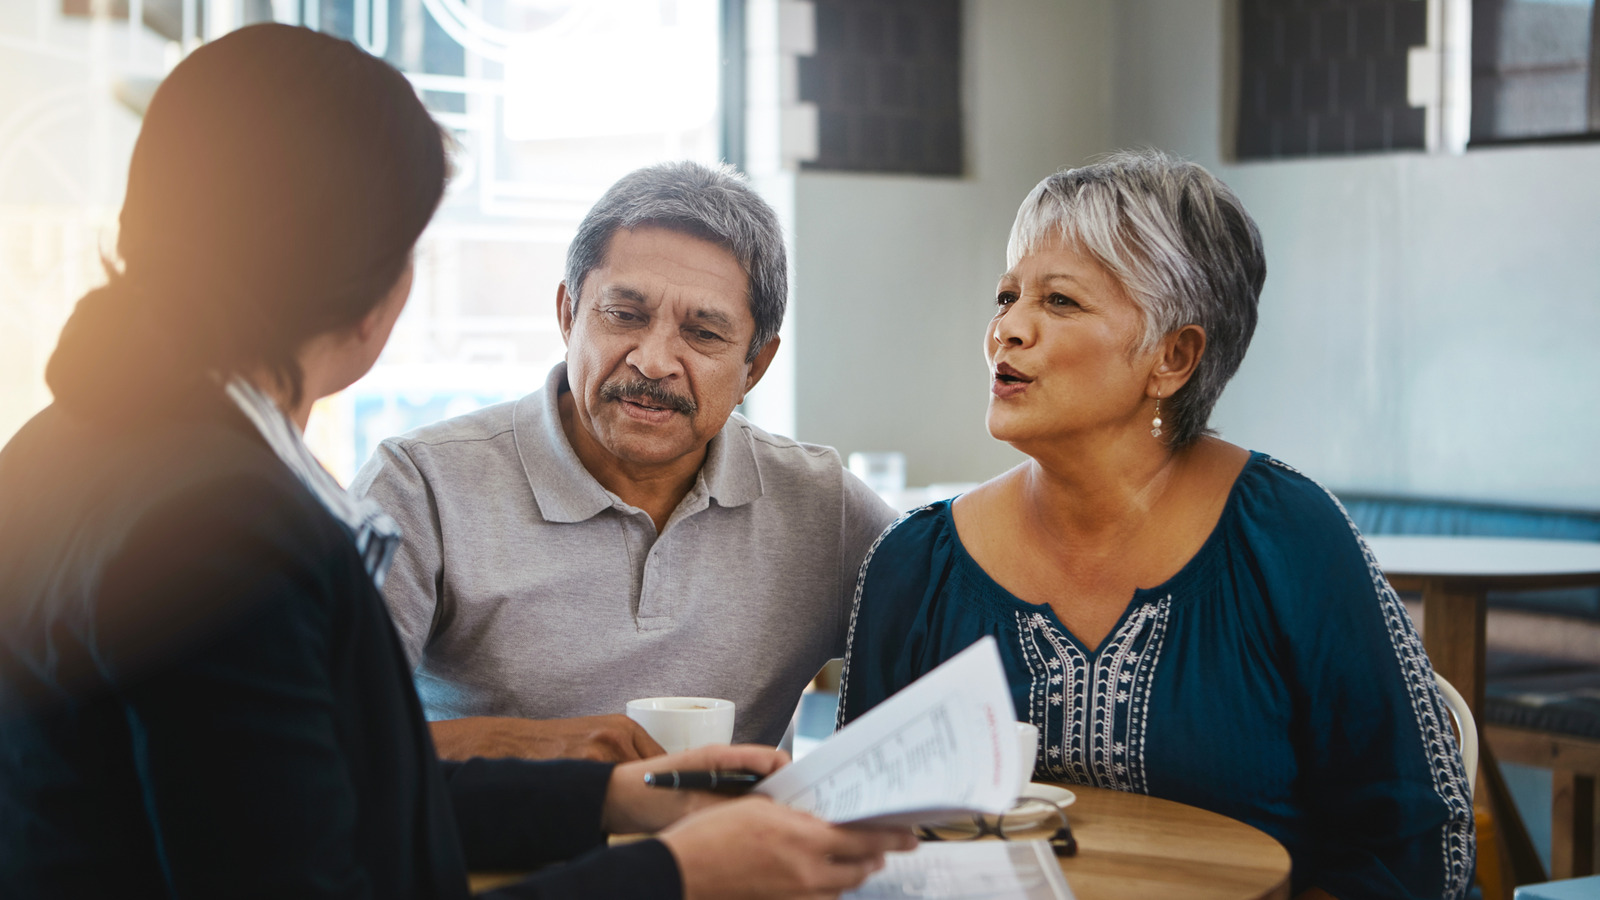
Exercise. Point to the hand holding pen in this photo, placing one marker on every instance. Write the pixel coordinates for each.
(731, 783)
(749, 846)
(648, 794)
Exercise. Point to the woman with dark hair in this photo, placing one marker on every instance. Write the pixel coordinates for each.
(1178, 616)
(201, 693)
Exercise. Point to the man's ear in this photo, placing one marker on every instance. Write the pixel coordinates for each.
(1179, 357)
(758, 366)
(564, 311)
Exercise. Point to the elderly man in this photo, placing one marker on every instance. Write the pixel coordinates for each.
(622, 533)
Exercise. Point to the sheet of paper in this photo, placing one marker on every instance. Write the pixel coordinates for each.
(1015, 870)
(943, 746)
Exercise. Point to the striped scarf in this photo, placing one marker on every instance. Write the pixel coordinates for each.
(376, 535)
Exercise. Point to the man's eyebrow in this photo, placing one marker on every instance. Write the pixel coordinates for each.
(633, 295)
(622, 292)
(714, 317)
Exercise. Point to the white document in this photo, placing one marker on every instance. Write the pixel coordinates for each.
(1014, 870)
(943, 747)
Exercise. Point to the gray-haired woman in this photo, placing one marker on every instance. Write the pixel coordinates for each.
(1177, 615)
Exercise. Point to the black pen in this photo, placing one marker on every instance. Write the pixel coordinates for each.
(732, 783)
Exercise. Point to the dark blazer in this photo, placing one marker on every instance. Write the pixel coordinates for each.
(201, 693)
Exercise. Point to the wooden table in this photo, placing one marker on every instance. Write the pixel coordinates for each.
(1133, 847)
(1454, 576)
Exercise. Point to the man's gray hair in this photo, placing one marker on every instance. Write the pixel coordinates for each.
(713, 203)
(1178, 241)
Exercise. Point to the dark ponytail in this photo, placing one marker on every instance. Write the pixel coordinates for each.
(112, 360)
(277, 188)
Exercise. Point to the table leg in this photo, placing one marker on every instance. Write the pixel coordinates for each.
(1454, 624)
(1572, 824)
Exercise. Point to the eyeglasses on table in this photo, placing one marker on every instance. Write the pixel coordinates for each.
(1021, 822)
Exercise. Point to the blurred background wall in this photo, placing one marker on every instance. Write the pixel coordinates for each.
(895, 274)
(1429, 323)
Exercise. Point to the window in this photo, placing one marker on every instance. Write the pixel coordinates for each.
(1534, 70)
(551, 101)
(1319, 77)
(1327, 76)
(886, 80)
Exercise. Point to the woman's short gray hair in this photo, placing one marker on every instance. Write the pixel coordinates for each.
(1178, 241)
(713, 203)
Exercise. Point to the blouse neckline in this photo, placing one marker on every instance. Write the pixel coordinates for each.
(1195, 572)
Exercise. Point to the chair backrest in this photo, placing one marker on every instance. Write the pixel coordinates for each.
(1466, 729)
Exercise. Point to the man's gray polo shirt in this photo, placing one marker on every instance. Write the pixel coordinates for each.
(524, 588)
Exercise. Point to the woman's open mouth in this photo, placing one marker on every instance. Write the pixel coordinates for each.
(1008, 382)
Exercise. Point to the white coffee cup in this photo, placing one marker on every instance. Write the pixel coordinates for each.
(681, 723)
(1027, 752)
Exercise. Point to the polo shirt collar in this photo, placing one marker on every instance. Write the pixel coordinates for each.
(566, 492)
(730, 474)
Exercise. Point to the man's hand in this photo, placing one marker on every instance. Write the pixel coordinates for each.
(613, 738)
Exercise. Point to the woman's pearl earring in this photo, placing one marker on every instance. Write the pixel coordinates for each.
(1155, 424)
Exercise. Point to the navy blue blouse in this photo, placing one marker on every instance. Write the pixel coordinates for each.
(1275, 679)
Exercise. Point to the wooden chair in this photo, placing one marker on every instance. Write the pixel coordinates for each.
(1574, 764)
(1466, 730)
(1489, 871)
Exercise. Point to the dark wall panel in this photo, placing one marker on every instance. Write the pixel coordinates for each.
(1321, 77)
(886, 81)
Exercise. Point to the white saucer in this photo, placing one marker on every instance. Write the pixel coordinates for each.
(1033, 814)
(1055, 793)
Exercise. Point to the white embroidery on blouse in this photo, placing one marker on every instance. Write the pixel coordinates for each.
(1427, 704)
(1093, 715)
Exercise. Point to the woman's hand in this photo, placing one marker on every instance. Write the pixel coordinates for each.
(754, 848)
(750, 847)
(632, 806)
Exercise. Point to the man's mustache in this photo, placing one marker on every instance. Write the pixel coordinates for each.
(648, 393)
